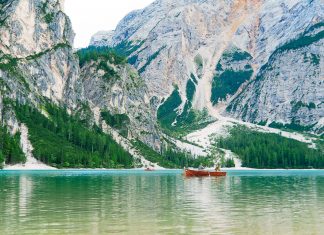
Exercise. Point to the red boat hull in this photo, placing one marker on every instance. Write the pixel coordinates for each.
(202, 173)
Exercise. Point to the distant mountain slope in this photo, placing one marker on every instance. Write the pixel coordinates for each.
(174, 42)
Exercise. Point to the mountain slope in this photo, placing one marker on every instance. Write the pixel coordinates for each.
(170, 69)
(70, 109)
(118, 95)
(177, 42)
(41, 85)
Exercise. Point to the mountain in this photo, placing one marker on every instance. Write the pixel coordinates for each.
(67, 108)
(171, 86)
(258, 61)
(41, 80)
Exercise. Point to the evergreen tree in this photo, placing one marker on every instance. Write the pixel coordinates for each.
(264, 150)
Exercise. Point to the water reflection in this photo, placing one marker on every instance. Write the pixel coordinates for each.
(25, 193)
(160, 204)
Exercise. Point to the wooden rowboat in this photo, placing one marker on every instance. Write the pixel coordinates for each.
(202, 173)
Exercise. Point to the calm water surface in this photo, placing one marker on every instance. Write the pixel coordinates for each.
(162, 202)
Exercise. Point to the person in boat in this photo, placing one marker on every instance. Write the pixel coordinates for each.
(218, 167)
(201, 167)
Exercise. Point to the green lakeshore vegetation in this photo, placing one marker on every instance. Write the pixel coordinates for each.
(10, 151)
(64, 141)
(267, 150)
(170, 158)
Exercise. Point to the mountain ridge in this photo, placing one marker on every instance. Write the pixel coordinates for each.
(256, 27)
(161, 88)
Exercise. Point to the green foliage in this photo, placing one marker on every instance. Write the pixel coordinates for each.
(199, 62)
(315, 59)
(109, 71)
(264, 150)
(219, 67)
(171, 158)
(190, 90)
(117, 121)
(302, 41)
(102, 55)
(49, 18)
(64, 141)
(126, 48)
(300, 104)
(227, 83)
(294, 126)
(132, 60)
(54, 48)
(150, 59)
(241, 55)
(2, 159)
(315, 26)
(10, 150)
(99, 53)
(237, 55)
(2, 13)
(44, 6)
(188, 121)
(166, 113)
(8, 63)
(194, 79)
(228, 79)
(229, 163)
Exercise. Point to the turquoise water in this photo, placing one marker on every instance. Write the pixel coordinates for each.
(161, 202)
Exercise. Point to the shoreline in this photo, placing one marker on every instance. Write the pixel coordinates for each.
(143, 169)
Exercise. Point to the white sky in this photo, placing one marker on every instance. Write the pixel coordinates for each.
(91, 16)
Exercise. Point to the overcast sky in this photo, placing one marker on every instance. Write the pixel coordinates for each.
(91, 16)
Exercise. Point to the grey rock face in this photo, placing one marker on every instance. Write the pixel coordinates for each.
(36, 52)
(102, 38)
(289, 88)
(124, 93)
(172, 34)
(37, 65)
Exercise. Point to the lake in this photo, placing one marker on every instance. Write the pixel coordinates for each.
(161, 202)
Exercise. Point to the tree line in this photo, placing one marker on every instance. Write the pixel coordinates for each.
(10, 151)
(93, 53)
(265, 150)
(64, 141)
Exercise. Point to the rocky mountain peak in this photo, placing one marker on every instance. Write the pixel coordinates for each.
(178, 42)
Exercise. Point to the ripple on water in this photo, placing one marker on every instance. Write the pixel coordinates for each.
(132, 202)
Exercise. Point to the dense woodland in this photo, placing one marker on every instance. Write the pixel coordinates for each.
(64, 141)
(10, 151)
(264, 150)
(117, 121)
(95, 53)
